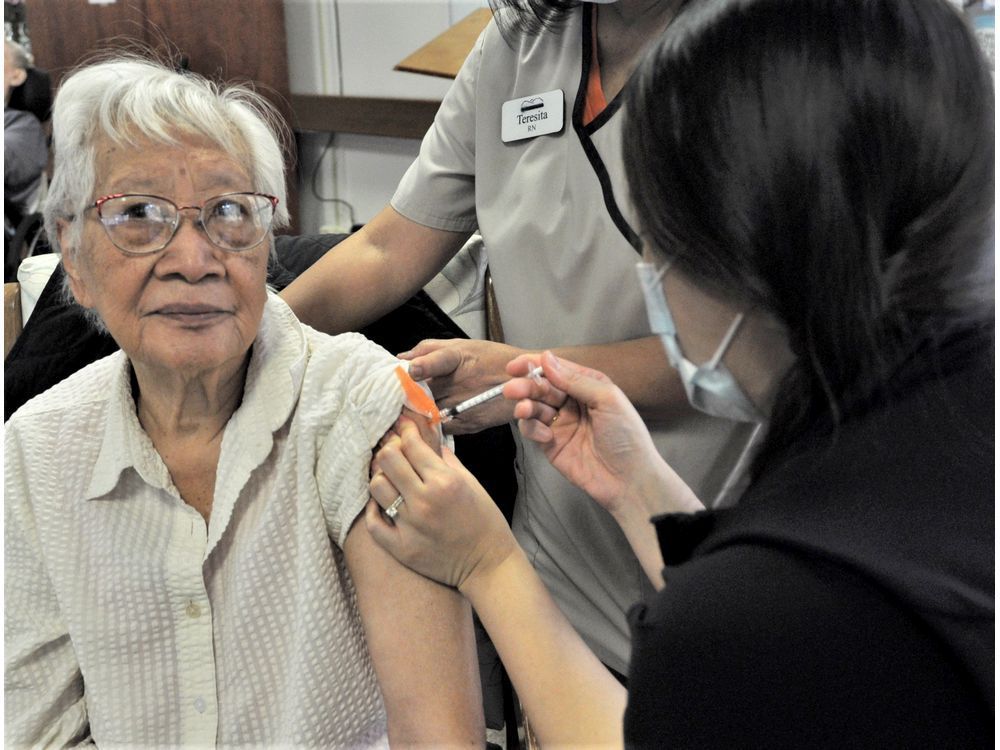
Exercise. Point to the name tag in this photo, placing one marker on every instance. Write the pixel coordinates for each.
(538, 114)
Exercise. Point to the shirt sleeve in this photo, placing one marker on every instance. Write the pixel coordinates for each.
(364, 398)
(753, 646)
(43, 687)
(439, 188)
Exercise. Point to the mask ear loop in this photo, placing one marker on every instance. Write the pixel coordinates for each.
(726, 341)
(661, 272)
(652, 279)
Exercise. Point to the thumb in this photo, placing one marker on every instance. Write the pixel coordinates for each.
(422, 347)
(585, 385)
(431, 359)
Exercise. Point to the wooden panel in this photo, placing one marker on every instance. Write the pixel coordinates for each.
(236, 40)
(396, 118)
(231, 40)
(443, 56)
(228, 39)
(66, 32)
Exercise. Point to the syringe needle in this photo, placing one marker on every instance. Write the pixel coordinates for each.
(453, 411)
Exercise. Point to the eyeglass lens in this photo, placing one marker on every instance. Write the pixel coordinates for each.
(146, 223)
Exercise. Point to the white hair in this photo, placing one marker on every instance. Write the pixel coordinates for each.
(127, 98)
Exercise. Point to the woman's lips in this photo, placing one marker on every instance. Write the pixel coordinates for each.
(191, 313)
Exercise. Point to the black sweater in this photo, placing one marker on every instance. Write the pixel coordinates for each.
(848, 600)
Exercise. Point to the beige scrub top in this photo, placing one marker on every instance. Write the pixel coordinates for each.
(562, 247)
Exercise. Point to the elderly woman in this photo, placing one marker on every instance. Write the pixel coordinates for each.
(183, 565)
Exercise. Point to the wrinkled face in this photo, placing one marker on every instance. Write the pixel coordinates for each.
(191, 307)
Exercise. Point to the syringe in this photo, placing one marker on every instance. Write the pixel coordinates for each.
(453, 411)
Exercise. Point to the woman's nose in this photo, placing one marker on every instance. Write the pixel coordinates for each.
(190, 253)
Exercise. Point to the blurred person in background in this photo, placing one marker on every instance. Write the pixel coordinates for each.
(25, 152)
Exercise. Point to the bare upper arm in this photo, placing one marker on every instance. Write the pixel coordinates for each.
(422, 646)
(416, 627)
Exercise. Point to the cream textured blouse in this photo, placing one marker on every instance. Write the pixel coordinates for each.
(131, 621)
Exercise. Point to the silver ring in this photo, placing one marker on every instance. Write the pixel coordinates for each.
(393, 510)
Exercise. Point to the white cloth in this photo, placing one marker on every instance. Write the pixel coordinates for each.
(559, 232)
(32, 276)
(460, 288)
(125, 610)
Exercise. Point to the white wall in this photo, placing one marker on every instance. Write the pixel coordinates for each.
(348, 48)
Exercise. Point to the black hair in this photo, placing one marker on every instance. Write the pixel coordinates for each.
(530, 16)
(829, 162)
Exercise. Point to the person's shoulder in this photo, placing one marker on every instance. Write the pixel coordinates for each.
(337, 371)
(502, 39)
(60, 425)
(348, 374)
(20, 120)
(86, 386)
(346, 364)
(344, 354)
(284, 337)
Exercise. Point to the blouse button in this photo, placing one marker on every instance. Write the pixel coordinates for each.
(193, 610)
(199, 704)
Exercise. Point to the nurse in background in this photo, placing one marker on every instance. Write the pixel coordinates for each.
(815, 185)
(527, 148)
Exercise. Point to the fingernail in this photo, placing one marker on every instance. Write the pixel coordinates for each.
(552, 360)
(416, 371)
(404, 355)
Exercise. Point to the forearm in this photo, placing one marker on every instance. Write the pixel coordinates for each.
(640, 368)
(370, 273)
(570, 698)
(655, 491)
(345, 289)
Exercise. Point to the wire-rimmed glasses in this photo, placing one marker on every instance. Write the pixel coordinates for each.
(144, 224)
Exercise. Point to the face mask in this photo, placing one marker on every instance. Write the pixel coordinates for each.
(711, 387)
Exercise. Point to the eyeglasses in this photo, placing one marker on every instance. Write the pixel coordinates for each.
(145, 224)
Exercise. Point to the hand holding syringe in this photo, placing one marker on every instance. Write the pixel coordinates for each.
(451, 412)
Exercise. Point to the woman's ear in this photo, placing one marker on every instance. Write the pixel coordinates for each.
(77, 285)
(17, 77)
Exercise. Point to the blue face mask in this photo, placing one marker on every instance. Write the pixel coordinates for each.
(711, 387)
